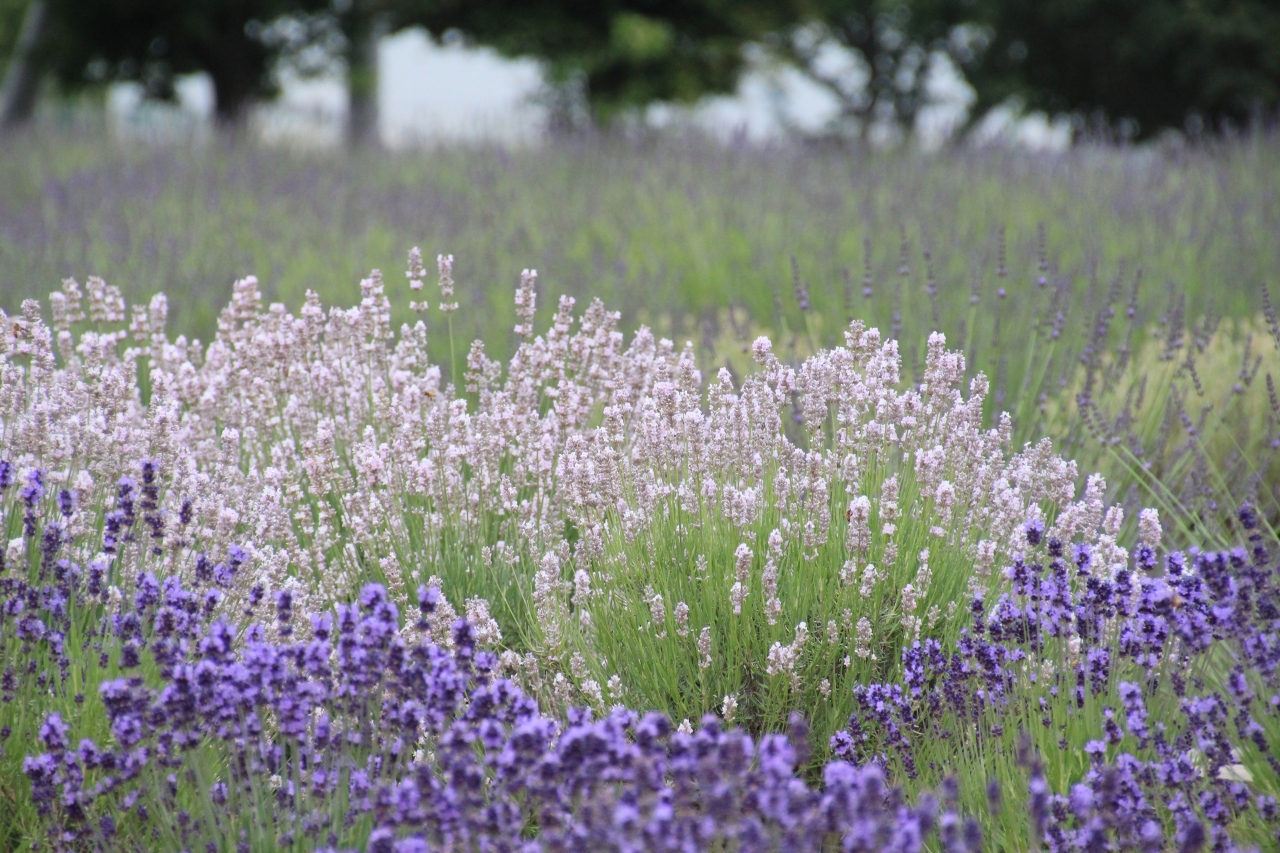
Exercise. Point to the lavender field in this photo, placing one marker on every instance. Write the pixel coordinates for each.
(797, 500)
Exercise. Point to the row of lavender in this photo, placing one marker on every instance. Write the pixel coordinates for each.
(1080, 711)
(774, 541)
(618, 532)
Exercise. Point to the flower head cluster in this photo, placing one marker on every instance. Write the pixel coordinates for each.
(255, 587)
(362, 735)
(1071, 647)
(329, 449)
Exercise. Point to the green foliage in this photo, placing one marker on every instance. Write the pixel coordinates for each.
(11, 13)
(1190, 412)
(151, 41)
(1154, 64)
(1145, 64)
(623, 54)
(1137, 67)
(890, 42)
(690, 559)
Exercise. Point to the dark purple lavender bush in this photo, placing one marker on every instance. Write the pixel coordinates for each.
(357, 737)
(1107, 709)
(1148, 695)
(152, 719)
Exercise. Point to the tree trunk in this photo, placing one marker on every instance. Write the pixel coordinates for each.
(22, 77)
(363, 33)
(235, 65)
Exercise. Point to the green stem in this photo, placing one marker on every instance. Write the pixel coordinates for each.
(453, 353)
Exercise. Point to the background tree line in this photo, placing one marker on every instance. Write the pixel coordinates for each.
(1137, 66)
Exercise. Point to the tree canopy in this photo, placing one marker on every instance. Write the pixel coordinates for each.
(1146, 64)
(151, 41)
(1142, 65)
(622, 53)
(887, 48)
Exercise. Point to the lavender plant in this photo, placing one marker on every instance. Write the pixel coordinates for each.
(1147, 690)
(669, 223)
(1190, 418)
(770, 574)
(617, 534)
(332, 451)
(1026, 261)
(201, 731)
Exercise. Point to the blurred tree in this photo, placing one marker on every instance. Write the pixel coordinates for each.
(1141, 65)
(872, 56)
(12, 13)
(22, 26)
(342, 38)
(1135, 65)
(151, 41)
(364, 23)
(618, 54)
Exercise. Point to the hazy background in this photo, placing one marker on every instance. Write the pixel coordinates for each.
(431, 92)
(879, 74)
